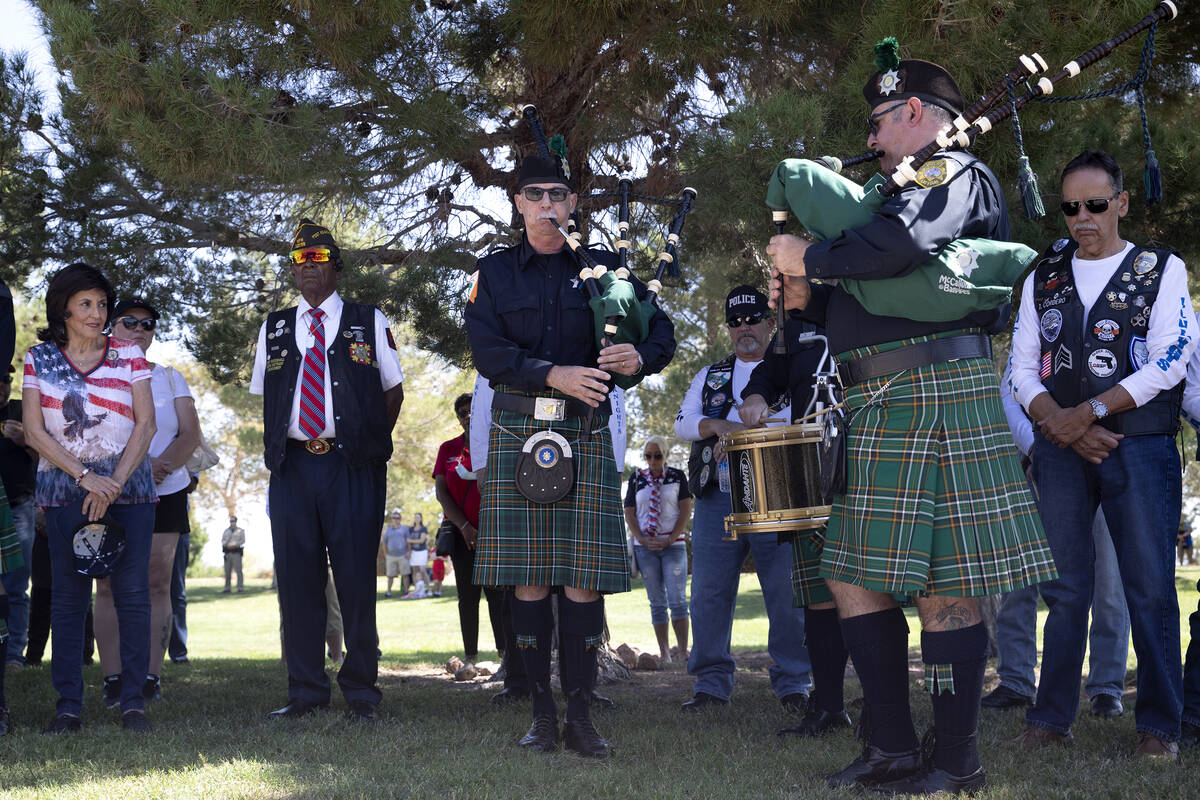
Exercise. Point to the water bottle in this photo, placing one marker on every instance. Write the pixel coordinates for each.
(723, 475)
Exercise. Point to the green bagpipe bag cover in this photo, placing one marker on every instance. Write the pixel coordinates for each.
(965, 276)
(618, 298)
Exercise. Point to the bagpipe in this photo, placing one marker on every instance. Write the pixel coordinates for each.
(620, 316)
(966, 275)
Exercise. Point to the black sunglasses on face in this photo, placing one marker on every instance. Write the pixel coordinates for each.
(534, 193)
(1096, 205)
(653, 456)
(750, 319)
(873, 119)
(131, 323)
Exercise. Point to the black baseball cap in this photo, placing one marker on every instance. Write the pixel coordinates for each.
(744, 300)
(135, 302)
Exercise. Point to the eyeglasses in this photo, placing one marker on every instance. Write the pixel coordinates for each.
(132, 323)
(534, 193)
(749, 319)
(653, 456)
(318, 255)
(1096, 205)
(873, 119)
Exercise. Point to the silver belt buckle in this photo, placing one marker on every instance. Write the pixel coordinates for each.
(549, 409)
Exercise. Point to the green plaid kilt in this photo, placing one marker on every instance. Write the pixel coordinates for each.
(936, 501)
(578, 541)
(808, 587)
(11, 557)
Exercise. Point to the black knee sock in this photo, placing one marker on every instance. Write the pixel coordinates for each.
(580, 632)
(533, 628)
(878, 643)
(956, 712)
(828, 654)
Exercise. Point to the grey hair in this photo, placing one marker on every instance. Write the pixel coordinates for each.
(662, 445)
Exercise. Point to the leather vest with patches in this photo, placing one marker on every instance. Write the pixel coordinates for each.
(1080, 358)
(360, 412)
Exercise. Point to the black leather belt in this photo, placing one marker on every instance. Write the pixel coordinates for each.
(922, 354)
(318, 447)
(548, 409)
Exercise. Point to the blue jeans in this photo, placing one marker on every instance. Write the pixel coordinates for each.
(1139, 487)
(665, 574)
(130, 581)
(1191, 670)
(178, 646)
(16, 584)
(716, 568)
(1108, 640)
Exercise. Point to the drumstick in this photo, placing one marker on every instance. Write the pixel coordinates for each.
(822, 411)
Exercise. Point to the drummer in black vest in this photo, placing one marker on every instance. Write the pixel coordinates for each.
(551, 516)
(795, 372)
(332, 387)
(708, 412)
(1100, 350)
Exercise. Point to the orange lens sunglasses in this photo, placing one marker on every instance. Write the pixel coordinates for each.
(317, 254)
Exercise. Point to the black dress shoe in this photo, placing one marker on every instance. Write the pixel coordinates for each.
(701, 701)
(135, 720)
(600, 701)
(296, 708)
(875, 766)
(4, 721)
(361, 711)
(795, 703)
(935, 781)
(1004, 697)
(580, 736)
(542, 736)
(64, 723)
(1106, 706)
(509, 696)
(818, 723)
(1189, 735)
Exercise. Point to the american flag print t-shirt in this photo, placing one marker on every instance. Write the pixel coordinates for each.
(90, 415)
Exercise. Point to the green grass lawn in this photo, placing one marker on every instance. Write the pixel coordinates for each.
(438, 739)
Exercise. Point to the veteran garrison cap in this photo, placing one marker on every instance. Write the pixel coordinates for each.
(899, 80)
(310, 234)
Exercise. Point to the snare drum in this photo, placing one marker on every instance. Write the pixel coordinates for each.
(775, 480)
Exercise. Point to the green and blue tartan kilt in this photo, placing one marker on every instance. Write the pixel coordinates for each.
(578, 541)
(808, 587)
(11, 557)
(936, 501)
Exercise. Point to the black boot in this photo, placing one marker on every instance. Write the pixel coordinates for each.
(826, 710)
(533, 624)
(580, 632)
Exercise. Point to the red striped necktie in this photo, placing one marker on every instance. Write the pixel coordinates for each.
(312, 380)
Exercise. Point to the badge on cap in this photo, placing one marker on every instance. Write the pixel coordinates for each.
(889, 82)
(1051, 324)
(1106, 330)
(1102, 363)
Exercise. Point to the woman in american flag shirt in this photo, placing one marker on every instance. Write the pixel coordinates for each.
(89, 413)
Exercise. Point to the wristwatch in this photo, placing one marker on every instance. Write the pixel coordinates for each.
(1098, 408)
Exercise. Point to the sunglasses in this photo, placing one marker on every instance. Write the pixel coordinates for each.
(534, 193)
(873, 119)
(132, 323)
(466, 412)
(1097, 205)
(750, 319)
(317, 255)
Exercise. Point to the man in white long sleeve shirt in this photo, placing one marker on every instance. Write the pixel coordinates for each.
(1100, 350)
(709, 411)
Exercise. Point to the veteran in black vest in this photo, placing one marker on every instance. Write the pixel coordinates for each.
(1100, 350)
(936, 505)
(709, 411)
(332, 387)
(551, 507)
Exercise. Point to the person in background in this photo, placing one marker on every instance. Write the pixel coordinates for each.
(437, 574)
(658, 506)
(233, 545)
(89, 412)
(18, 470)
(11, 559)
(418, 556)
(177, 649)
(395, 553)
(176, 436)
